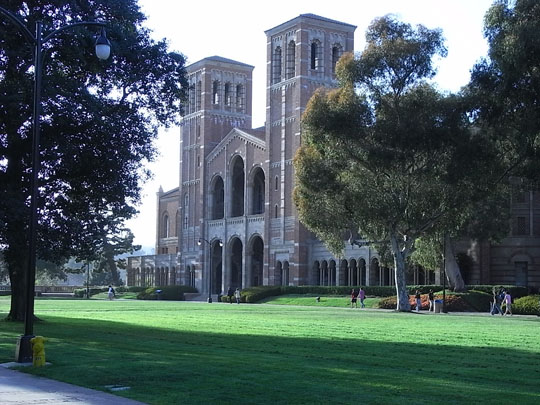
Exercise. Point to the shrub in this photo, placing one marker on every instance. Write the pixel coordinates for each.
(123, 289)
(528, 305)
(454, 302)
(168, 293)
(515, 291)
(81, 292)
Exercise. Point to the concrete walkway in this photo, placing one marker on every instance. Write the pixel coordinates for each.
(22, 388)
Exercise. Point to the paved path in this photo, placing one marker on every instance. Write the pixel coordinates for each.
(22, 388)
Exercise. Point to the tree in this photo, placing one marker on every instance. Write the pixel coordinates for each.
(505, 87)
(108, 261)
(98, 123)
(385, 153)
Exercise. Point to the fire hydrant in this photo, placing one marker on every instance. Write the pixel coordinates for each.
(38, 350)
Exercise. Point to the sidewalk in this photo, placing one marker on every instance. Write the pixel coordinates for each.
(22, 388)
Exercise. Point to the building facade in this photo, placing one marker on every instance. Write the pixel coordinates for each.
(232, 220)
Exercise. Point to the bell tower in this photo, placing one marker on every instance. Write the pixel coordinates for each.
(301, 57)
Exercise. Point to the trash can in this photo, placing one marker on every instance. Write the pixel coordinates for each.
(438, 306)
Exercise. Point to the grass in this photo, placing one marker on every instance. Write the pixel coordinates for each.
(196, 353)
(338, 301)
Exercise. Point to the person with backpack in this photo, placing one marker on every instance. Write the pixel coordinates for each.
(354, 299)
(111, 294)
(230, 294)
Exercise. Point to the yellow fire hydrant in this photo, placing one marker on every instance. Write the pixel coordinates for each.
(38, 350)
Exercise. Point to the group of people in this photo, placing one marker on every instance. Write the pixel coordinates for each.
(236, 295)
(358, 295)
(501, 297)
(431, 299)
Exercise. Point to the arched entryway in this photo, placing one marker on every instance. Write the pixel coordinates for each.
(255, 258)
(374, 276)
(332, 273)
(236, 250)
(216, 267)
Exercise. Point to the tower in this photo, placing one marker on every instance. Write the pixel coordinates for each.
(219, 99)
(301, 57)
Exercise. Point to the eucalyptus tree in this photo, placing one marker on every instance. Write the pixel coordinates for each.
(386, 154)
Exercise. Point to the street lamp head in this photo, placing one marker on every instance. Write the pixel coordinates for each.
(220, 243)
(199, 242)
(103, 46)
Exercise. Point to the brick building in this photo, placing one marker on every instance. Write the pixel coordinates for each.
(232, 221)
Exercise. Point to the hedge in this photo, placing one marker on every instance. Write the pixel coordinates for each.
(528, 305)
(81, 292)
(168, 293)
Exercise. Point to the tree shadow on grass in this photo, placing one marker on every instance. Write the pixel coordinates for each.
(166, 366)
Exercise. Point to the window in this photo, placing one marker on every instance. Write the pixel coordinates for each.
(521, 228)
(191, 104)
(275, 211)
(198, 160)
(215, 92)
(291, 59)
(165, 226)
(198, 96)
(228, 96)
(186, 210)
(276, 183)
(316, 54)
(239, 96)
(337, 51)
(276, 65)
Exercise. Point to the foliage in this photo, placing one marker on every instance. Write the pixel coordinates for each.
(99, 119)
(505, 88)
(386, 154)
(454, 302)
(428, 253)
(168, 293)
(529, 305)
(81, 292)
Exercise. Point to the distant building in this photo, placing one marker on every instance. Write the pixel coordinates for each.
(232, 221)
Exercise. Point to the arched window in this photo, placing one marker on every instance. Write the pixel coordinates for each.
(191, 104)
(276, 65)
(291, 59)
(316, 54)
(237, 182)
(337, 51)
(198, 96)
(218, 196)
(186, 210)
(276, 211)
(165, 226)
(215, 92)
(239, 96)
(276, 183)
(257, 192)
(228, 95)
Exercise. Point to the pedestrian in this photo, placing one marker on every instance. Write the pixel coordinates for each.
(431, 298)
(507, 299)
(237, 295)
(354, 296)
(418, 301)
(230, 294)
(111, 294)
(497, 300)
(362, 296)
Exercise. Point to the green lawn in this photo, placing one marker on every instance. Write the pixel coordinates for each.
(338, 301)
(198, 353)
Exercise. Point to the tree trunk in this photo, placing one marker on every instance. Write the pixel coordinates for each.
(400, 269)
(452, 269)
(18, 292)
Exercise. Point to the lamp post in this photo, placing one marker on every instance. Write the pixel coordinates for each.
(209, 265)
(24, 349)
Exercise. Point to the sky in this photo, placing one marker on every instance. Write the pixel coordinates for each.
(235, 29)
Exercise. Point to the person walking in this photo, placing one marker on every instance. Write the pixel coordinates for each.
(507, 299)
(362, 296)
(431, 298)
(230, 294)
(418, 301)
(237, 295)
(111, 293)
(354, 299)
(497, 300)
